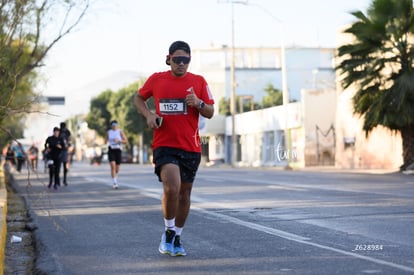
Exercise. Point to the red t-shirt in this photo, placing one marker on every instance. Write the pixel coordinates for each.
(179, 127)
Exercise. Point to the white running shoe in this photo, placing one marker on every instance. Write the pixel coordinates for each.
(115, 186)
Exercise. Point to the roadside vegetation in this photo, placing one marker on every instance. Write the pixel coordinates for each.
(28, 31)
(378, 64)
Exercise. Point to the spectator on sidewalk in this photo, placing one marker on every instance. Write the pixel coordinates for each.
(33, 153)
(8, 155)
(20, 155)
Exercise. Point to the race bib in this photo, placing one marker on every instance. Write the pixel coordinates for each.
(172, 106)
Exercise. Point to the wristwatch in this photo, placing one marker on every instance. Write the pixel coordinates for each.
(201, 105)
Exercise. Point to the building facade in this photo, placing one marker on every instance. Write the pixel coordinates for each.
(260, 133)
(319, 122)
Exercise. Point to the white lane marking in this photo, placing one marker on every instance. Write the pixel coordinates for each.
(157, 193)
(300, 239)
(258, 227)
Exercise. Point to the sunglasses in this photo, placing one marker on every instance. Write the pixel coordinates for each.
(179, 59)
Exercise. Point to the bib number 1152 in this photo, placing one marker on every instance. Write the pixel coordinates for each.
(172, 106)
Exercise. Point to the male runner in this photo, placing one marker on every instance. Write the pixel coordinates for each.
(180, 98)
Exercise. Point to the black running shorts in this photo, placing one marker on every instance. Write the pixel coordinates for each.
(187, 161)
(115, 155)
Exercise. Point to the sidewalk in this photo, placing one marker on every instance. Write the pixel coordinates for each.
(328, 169)
(16, 257)
(322, 169)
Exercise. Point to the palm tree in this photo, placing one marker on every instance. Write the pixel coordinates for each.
(379, 65)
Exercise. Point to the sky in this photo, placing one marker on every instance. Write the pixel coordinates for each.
(134, 35)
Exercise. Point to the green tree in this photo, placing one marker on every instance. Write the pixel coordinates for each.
(99, 115)
(123, 109)
(119, 105)
(274, 97)
(379, 64)
(224, 106)
(23, 47)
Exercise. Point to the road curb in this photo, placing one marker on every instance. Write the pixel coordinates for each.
(3, 217)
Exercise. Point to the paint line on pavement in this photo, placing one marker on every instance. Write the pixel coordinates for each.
(301, 239)
(156, 194)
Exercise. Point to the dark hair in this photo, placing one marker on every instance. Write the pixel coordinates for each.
(56, 129)
(114, 121)
(175, 46)
(62, 125)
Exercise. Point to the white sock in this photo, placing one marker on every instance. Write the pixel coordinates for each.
(169, 224)
(178, 231)
(114, 180)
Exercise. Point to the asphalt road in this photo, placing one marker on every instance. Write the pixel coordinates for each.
(243, 221)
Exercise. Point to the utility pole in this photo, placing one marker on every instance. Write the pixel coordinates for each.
(285, 90)
(233, 82)
(233, 92)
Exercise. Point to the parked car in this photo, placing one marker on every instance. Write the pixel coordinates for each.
(126, 157)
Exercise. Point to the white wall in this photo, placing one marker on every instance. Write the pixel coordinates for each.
(319, 111)
(254, 127)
